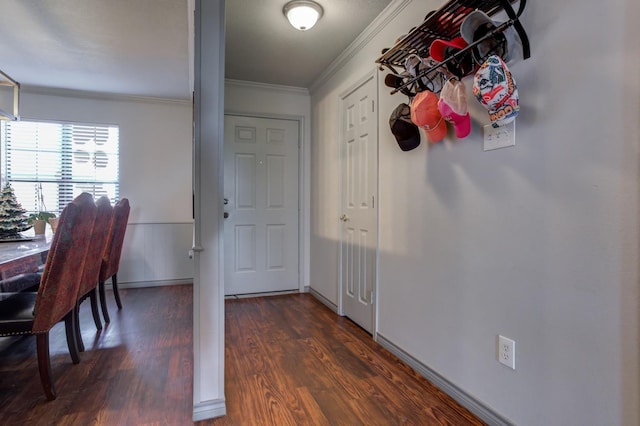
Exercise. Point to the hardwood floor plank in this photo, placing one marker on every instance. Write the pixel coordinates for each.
(315, 416)
(330, 365)
(336, 408)
(288, 361)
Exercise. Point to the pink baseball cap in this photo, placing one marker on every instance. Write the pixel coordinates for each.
(453, 107)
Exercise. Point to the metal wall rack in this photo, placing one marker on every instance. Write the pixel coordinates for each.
(444, 24)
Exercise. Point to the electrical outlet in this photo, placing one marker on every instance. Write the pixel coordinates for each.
(507, 352)
(499, 137)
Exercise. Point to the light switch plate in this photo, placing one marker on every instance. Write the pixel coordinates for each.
(499, 137)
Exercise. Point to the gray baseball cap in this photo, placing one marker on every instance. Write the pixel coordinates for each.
(476, 25)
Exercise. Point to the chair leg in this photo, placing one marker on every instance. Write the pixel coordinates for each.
(93, 297)
(114, 281)
(76, 328)
(44, 365)
(70, 325)
(103, 302)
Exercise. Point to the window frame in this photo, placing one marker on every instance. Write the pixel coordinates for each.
(67, 176)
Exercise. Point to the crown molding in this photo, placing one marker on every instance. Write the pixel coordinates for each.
(85, 94)
(378, 24)
(266, 86)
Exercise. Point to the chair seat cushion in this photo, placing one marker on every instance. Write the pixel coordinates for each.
(20, 282)
(16, 313)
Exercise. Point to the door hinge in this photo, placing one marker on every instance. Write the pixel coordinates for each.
(373, 201)
(372, 297)
(373, 106)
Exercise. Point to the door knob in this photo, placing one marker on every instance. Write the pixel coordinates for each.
(226, 201)
(344, 218)
(225, 215)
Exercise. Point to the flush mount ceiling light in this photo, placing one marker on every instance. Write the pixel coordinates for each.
(302, 14)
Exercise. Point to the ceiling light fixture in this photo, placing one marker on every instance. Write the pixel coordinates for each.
(302, 14)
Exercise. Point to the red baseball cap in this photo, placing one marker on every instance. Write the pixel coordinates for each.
(438, 47)
(442, 49)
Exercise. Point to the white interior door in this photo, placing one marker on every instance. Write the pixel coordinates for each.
(261, 196)
(359, 157)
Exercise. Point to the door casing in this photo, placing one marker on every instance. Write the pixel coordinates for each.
(373, 75)
(303, 213)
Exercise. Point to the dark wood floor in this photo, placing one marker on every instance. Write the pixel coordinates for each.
(138, 371)
(289, 361)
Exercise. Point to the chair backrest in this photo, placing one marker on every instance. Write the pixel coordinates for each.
(93, 262)
(115, 239)
(58, 291)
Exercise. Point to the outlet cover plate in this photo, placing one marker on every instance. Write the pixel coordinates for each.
(507, 352)
(499, 137)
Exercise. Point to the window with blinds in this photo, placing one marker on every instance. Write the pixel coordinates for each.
(63, 159)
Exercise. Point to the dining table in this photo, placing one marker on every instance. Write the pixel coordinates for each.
(20, 258)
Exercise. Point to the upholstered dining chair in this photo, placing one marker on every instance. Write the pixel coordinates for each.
(30, 313)
(91, 271)
(112, 253)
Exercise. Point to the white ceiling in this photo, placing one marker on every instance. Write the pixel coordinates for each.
(262, 46)
(140, 47)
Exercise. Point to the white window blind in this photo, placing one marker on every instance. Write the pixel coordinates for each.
(64, 159)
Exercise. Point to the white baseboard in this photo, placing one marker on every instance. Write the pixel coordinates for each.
(264, 294)
(209, 410)
(485, 413)
(143, 284)
(328, 303)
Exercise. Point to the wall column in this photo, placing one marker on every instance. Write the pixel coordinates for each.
(208, 285)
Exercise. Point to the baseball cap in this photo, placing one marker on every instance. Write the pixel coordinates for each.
(495, 88)
(395, 81)
(416, 66)
(453, 107)
(405, 132)
(476, 25)
(442, 49)
(425, 114)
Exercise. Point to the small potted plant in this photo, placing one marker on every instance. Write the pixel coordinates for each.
(40, 218)
(39, 221)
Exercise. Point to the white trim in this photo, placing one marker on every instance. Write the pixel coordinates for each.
(263, 294)
(378, 24)
(328, 303)
(372, 75)
(145, 284)
(209, 410)
(267, 86)
(485, 413)
(208, 290)
(355, 86)
(160, 223)
(191, 47)
(303, 210)
(85, 94)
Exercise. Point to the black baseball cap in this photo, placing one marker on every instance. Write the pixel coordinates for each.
(406, 133)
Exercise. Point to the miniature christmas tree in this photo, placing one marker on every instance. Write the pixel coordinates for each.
(12, 215)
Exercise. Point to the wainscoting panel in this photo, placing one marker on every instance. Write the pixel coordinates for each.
(156, 252)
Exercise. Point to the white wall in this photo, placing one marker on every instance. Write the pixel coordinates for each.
(273, 101)
(538, 242)
(155, 173)
(156, 253)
